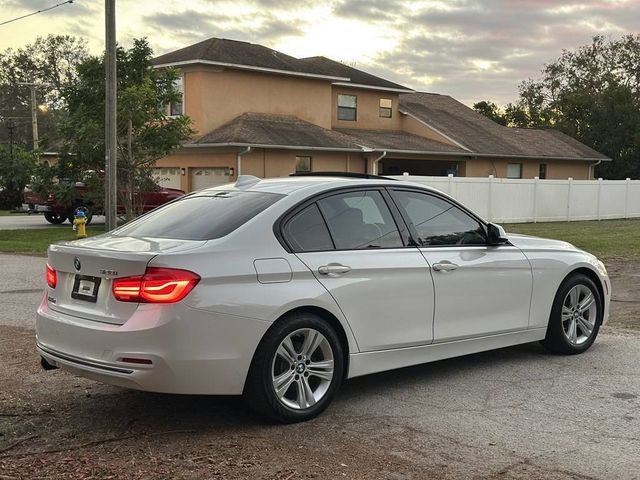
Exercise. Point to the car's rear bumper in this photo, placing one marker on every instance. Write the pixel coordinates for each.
(191, 351)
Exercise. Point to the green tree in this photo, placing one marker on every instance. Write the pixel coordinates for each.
(49, 61)
(592, 94)
(146, 132)
(491, 110)
(16, 169)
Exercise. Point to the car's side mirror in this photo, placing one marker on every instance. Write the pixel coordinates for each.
(496, 234)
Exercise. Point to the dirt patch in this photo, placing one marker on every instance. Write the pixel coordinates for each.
(54, 425)
(81, 429)
(625, 301)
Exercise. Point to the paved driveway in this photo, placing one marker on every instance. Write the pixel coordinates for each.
(21, 287)
(11, 222)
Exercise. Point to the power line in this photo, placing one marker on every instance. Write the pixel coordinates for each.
(35, 13)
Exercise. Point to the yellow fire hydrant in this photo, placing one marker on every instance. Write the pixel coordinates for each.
(79, 222)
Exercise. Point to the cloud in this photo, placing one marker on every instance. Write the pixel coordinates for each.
(191, 26)
(471, 49)
(76, 8)
(372, 10)
(477, 50)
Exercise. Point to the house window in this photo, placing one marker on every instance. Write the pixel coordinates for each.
(347, 107)
(303, 164)
(176, 108)
(385, 107)
(542, 173)
(514, 170)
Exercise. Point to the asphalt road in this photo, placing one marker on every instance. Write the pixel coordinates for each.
(11, 222)
(21, 288)
(518, 412)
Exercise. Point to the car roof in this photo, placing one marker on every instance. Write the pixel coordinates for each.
(289, 185)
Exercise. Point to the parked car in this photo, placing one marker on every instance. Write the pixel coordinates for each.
(280, 289)
(57, 212)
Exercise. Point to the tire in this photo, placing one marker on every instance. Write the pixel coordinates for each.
(573, 315)
(54, 218)
(307, 372)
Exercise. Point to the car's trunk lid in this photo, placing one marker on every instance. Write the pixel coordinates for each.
(86, 268)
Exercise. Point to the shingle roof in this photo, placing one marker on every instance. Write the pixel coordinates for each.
(483, 136)
(253, 56)
(276, 130)
(326, 66)
(398, 141)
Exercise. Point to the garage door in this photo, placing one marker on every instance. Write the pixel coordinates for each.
(207, 177)
(168, 177)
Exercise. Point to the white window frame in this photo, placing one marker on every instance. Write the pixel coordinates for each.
(386, 105)
(169, 114)
(300, 157)
(355, 109)
(510, 174)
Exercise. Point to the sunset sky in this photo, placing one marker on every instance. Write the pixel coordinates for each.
(472, 50)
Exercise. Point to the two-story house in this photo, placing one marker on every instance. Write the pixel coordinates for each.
(261, 112)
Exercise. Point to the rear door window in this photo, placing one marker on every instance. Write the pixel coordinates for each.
(359, 220)
(200, 217)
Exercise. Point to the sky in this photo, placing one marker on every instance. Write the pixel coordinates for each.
(472, 50)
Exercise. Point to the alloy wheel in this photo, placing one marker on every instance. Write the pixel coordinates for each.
(579, 314)
(302, 368)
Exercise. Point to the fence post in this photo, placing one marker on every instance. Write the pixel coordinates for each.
(450, 185)
(626, 197)
(599, 195)
(534, 214)
(490, 204)
(569, 199)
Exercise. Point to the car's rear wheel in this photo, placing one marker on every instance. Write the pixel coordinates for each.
(296, 370)
(575, 317)
(54, 218)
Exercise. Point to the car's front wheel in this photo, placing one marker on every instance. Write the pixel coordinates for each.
(575, 317)
(296, 370)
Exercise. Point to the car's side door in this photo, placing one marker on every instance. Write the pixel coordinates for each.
(480, 289)
(358, 252)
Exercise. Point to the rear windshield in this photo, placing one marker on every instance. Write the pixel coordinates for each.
(200, 217)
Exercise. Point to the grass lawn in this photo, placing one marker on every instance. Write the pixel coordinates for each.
(5, 213)
(36, 240)
(607, 239)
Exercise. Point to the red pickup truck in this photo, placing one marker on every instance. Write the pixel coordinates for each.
(57, 213)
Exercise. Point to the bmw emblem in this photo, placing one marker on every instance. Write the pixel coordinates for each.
(77, 264)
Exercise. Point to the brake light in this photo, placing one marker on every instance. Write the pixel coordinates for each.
(51, 276)
(157, 285)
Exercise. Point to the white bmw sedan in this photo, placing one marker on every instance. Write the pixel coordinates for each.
(280, 289)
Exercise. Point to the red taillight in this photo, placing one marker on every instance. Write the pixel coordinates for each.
(157, 285)
(51, 276)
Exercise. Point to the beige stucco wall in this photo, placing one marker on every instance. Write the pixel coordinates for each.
(483, 167)
(262, 163)
(213, 96)
(368, 114)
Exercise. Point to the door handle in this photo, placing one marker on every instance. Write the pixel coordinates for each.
(444, 266)
(333, 268)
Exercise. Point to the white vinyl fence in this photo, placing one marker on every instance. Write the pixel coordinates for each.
(523, 200)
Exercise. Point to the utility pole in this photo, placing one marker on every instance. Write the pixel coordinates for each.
(34, 110)
(111, 189)
(11, 127)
